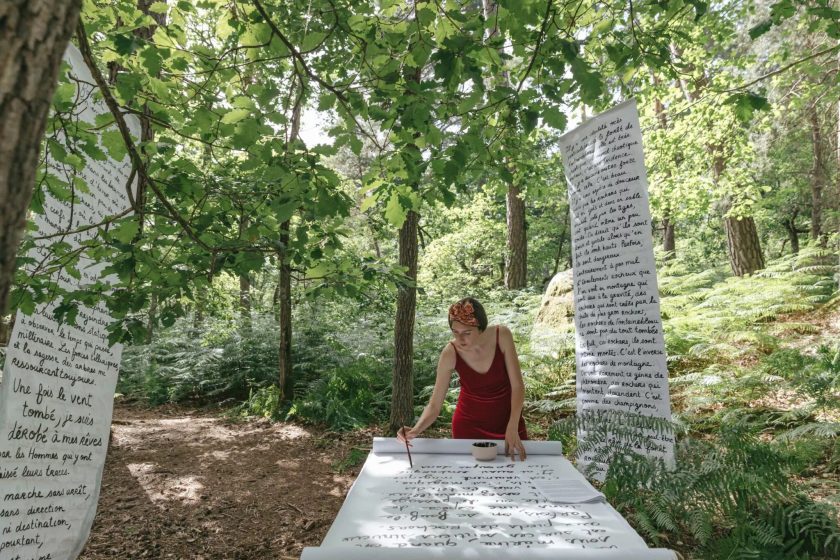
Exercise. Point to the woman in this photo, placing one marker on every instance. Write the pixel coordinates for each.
(492, 390)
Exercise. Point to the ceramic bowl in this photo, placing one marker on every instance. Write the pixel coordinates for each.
(484, 450)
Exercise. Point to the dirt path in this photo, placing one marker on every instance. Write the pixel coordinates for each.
(185, 484)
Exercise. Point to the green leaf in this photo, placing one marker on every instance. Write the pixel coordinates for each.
(64, 95)
(420, 54)
(782, 10)
(318, 271)
(126, 231)
(151, 60)
(326, 101)
(394, 212)
(244, 102)
(745, 104)
(23, 301)
(529, 119)
(760, 29)
(355, 145)
(159, 8)
(126, 44)
(235, 115)
(312, 40)
(554, 117)
(113, 143)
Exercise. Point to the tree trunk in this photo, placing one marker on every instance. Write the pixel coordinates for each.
(152, 319)
(284, 285)
(34, 36)
(245, 297)
(793, 233)
(284, 300)
(6, 325)
(743, 245)
(668, 240)
(817, 174)
(402, 394)
(560, 246)
(516, 257)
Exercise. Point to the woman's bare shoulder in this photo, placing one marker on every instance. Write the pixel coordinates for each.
(505, 336)
(447, 355)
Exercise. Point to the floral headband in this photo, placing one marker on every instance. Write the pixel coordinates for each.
(463, 313)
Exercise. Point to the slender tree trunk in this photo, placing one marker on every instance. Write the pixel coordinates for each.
(284, 299)
(817, 174)
(560, 246)
(245, 297)
(152, 318)
(34, 35)
(516, 257)
(793, 235)
(668, 239)
(286, 381)
(402, 393)
(402, 410)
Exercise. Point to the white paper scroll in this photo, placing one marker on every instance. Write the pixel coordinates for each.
(453, 446)
(448, 505)
(56, 398)
(620, 349)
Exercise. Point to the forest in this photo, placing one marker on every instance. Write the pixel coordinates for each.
(316, 181)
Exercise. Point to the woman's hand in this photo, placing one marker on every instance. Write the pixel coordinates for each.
(513, 444)
(406, 435)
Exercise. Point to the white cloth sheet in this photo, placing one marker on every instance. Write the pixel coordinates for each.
(451, 506)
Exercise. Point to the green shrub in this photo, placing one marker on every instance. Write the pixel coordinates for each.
(346, 398)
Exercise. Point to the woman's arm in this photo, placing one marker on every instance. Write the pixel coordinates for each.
(513, 444)
(446, 363)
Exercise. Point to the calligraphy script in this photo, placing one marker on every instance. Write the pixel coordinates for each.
(56, 397)
(446, 501)
(620, 346)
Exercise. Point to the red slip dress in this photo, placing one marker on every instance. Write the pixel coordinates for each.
(483, 408)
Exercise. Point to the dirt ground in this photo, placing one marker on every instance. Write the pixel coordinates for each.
(187, 484)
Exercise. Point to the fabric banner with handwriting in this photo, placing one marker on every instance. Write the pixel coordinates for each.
(463, 508)
(620, 349)
(57, 392)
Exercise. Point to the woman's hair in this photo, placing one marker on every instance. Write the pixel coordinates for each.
(469, 312)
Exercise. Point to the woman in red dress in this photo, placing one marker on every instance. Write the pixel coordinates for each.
(492, 390)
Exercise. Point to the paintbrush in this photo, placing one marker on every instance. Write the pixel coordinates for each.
(407, 450)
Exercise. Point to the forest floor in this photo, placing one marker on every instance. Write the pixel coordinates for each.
(186, 484)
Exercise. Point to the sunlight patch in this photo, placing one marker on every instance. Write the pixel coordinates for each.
(161, 486)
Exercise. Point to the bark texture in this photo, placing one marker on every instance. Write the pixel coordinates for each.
(669, 243)
(402, 409)
(516, 256)
(743, 245)
(245, 297)
(284, 300)
(818, 175)
(284, 286)
(34, 35)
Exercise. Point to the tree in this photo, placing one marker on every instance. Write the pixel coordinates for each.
(34, 35)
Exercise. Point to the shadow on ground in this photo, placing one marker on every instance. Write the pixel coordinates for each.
(185, 484)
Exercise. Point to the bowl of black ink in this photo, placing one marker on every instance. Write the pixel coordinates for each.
(484, 450)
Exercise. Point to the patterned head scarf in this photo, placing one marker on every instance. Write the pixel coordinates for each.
(463, 313)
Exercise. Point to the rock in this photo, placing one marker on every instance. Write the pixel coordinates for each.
(554, 324)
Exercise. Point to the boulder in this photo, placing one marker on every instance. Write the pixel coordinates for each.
(554, 324)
